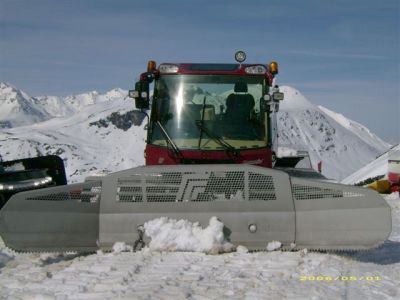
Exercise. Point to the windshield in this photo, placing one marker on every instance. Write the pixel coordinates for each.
(209, 112)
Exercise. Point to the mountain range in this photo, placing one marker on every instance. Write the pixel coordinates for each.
(97, 133)
(342, 145)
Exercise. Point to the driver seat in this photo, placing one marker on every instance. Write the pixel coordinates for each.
(240, 104)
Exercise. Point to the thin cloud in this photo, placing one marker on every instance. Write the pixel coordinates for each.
(327, 54)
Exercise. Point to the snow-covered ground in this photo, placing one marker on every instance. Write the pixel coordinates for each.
(151, 274)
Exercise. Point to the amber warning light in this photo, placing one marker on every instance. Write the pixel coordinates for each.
(273, 67)
(151, 66)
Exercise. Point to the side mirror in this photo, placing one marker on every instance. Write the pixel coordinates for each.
(141, 95)
(278, 96)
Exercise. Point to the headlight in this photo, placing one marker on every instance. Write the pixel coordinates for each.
(1, 187)
(259, 69)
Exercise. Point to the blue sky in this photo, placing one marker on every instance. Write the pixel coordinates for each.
(344, 55)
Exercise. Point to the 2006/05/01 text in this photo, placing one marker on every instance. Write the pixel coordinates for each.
(339, 278)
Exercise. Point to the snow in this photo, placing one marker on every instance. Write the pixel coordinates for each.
(181, 235)
(342, 145)
(151, 274)
(274, 245)
(119, 247)
(294, 100)
(241, 249)
(286, 152)
(17, 108)
(356, 128)
(85, 147)
(377, 167)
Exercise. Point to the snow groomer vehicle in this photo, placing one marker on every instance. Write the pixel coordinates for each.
(210, 152)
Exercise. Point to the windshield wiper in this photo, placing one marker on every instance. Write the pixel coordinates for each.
(200, 124)
(229, 148)
(178, 154)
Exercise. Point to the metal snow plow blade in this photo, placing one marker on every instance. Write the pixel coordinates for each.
(63, 218)
(257, 206)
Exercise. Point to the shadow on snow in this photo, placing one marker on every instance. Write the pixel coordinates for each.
(386, 254)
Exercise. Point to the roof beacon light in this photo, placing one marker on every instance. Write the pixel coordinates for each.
(168, 68)
(240, 56)
(259, 69)
(273, 67)
(151, 66)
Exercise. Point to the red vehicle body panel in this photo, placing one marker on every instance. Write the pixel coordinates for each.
(239, 70)
(157, 155)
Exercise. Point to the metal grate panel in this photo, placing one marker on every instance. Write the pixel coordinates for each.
(85, 192)
(261, 187)
(195, 186)
(304, 192)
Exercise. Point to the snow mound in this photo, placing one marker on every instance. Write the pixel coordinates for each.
(181, 235)
(274, 245)
(119, 247)
(241, 249)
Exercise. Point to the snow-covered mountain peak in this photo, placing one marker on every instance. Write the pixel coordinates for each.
(294, 100)
(342, 145)
(356, 128)
(78, 102)
(338, 117)
(116, 93)
(10, 92)
(5, 85)
(81, 100)
(18, 108)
